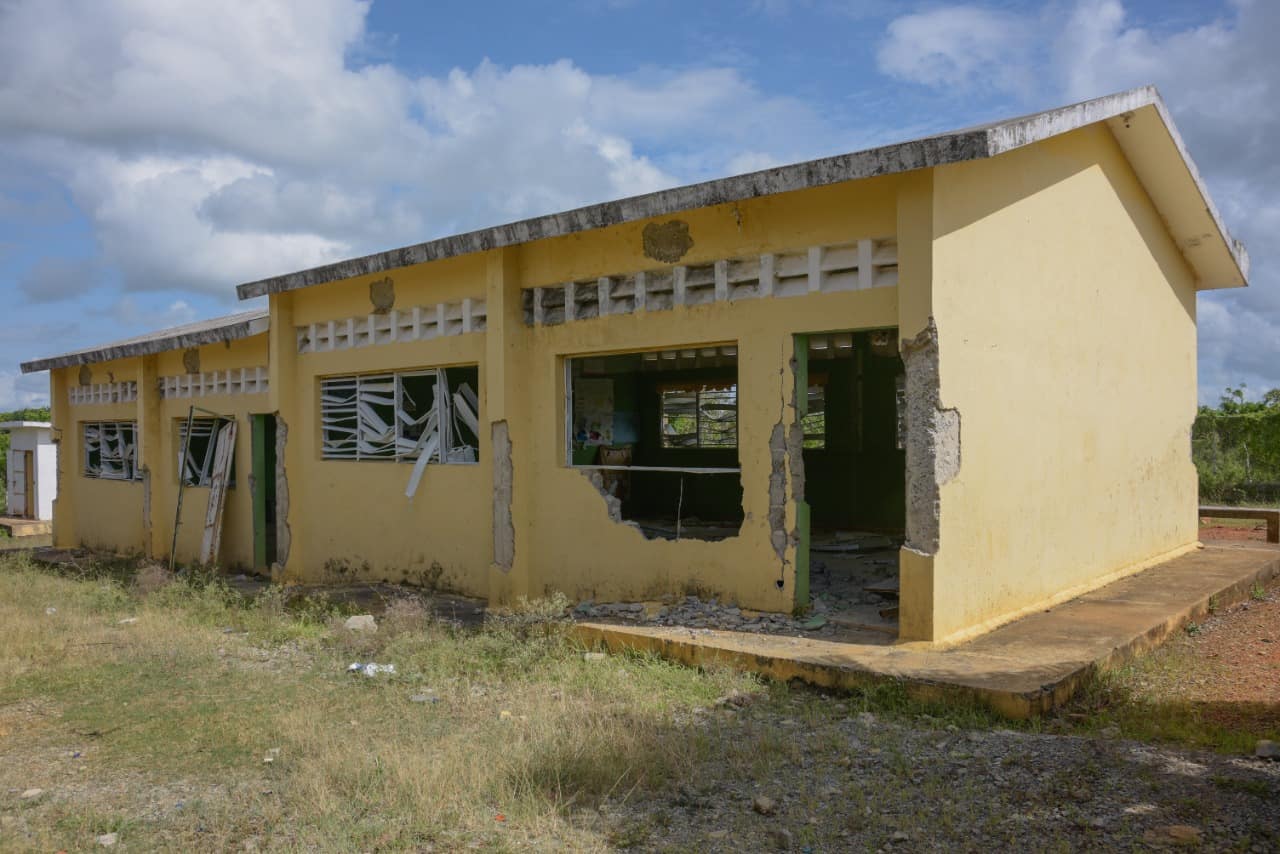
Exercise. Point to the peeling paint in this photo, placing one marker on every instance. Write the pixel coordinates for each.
(284, 537)
(146, 510)
(382, 295)
(504, 533)
(933, 441)
(778, 490)
(191, 360)
(86, 375)
(613, 502)
(667, 242)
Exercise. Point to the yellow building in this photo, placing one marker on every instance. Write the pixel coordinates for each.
(975, 352)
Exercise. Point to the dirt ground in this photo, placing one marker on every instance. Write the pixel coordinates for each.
(166, 716)
(1226, 667)
(1230, 529)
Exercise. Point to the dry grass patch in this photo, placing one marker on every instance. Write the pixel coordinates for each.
(149, 706)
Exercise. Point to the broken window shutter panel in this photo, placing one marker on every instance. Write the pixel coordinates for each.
(420, 466)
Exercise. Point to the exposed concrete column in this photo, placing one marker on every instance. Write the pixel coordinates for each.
(506, 411)
(150, 461)
(283, 399)
(917, 337)
(66, 436)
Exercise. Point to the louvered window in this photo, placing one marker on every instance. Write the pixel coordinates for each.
(196, 454)
(700, 416)
(111, 450)
(401, 416)
(815, 419)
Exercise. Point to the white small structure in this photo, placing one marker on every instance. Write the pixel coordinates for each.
(33, 469)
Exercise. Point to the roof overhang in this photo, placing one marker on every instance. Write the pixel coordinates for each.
(1138, 118)
(230, 328)
(25, 425)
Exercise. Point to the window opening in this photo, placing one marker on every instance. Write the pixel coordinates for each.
(196, 454)
(111, 450)
(700, 416)
(403, 416)
(657, 434)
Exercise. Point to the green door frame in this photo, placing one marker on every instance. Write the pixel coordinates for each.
(801, 360)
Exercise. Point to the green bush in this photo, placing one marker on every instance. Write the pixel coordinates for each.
(1237, 452)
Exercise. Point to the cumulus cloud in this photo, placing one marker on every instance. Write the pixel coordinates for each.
(56, 279)
(958, 47)
(1219, 79)
(214, 143)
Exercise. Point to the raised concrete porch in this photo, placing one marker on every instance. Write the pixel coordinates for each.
(1022, 669)
(16, 526)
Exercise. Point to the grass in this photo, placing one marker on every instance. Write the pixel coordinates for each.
(173, 714)
(149, 706)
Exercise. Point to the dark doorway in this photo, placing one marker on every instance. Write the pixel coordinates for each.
(854, 510)
(264, 491)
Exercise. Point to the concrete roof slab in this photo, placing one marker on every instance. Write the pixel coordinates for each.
(229, 328)
(1155, 148)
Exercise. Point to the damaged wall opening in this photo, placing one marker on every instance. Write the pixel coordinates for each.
(658, 430)
(853, 422)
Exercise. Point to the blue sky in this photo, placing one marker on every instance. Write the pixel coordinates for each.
(154, 154)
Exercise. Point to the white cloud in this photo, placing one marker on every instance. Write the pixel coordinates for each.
(1219, 80)
(214, 143)
(19, 391)
(958, 47)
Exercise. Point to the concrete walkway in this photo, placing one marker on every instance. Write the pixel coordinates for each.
(1022, 669)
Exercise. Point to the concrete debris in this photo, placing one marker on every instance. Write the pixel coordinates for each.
(1174, 834)
(361, 623)
(594, 656)
(764, 805)
(107, 840)
(32, 794)
(370, 670)
(1267, 749)
(424, 698)
(127, 621)
(272, 755)
(50, 611)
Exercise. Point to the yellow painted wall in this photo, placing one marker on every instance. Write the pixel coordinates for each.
(100, 514)
(576, 547)
(1066, 322)
(351, 519)
(111, 514)
(354, 514)
(236, 551)
(1067, 337)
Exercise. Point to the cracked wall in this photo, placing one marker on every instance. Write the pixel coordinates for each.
(284, 538)
(504, 534)
(933, 441)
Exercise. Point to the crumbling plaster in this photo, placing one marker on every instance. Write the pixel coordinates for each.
(933, 441)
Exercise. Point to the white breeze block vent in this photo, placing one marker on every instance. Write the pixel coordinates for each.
(122, 392)
(234, 381)
(855, 266)
(420, 323)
